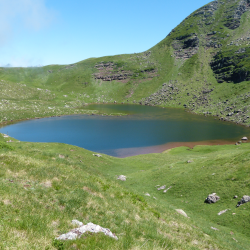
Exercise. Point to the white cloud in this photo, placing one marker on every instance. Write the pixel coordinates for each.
(22, 62)
(31, 14)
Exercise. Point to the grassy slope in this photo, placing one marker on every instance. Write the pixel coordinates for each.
(41, 193)
(190, 76)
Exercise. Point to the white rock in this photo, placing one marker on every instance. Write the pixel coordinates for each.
(121, 178)
(161, 188)
(180, 211)
(67, 236)
(90, 227)
(98, 155)
(223, 211)
(82, 229)
(77, 223)
(165, 191)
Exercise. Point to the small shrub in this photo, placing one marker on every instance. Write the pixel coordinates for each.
(4, 145)
(155, 213)
(58, 244)
(136, 198)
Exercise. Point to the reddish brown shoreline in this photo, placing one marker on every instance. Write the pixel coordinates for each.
(127, 152)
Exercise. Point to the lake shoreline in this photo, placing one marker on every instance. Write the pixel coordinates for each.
(5, 123)
(158, 149)
(132, 151)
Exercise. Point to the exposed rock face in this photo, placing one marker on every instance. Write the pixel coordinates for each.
(234, 13)
(186, 46)
(212, 41)
(106, 72)
(227, 66)
(207, 10)
(243, 200)
(212, 198)
(111, 72)
(103, 65)
(166, 93)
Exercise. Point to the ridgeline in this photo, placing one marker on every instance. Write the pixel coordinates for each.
(203, 65)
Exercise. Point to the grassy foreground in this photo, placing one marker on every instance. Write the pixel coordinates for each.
(44, 186)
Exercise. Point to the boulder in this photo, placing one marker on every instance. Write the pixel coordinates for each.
(161, 188)
(97, 155)
(90, 227)
(121, 178)
(243, 200)
(212, 198)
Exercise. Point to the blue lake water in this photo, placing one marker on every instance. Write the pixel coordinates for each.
(145, 129)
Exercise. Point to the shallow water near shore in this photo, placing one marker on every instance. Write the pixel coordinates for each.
(143, 130)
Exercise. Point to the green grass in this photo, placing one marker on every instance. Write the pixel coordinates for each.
(41, 193)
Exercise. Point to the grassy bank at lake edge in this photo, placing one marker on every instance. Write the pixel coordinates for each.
(46, 185)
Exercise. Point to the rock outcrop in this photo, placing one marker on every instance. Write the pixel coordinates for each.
(90, 227)
(212, 198)
(234, 13)
(166, 93)
(228, 66)
(186, 46)
(110, 71)
(243, 200)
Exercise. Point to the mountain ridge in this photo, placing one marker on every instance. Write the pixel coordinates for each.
(202, 65)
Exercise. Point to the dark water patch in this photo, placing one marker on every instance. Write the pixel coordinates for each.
(141, 131)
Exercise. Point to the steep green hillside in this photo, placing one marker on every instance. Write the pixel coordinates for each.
(202, 65)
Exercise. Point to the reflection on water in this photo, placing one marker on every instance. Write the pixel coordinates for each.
(142, 131)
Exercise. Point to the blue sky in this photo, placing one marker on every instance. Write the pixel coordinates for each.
(43, 32)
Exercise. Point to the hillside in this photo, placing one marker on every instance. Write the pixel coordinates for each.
(44, 186)
(202, 65)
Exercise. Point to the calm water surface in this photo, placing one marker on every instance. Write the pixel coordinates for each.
(144, 130)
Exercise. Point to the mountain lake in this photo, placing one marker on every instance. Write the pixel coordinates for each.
(141, 130)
